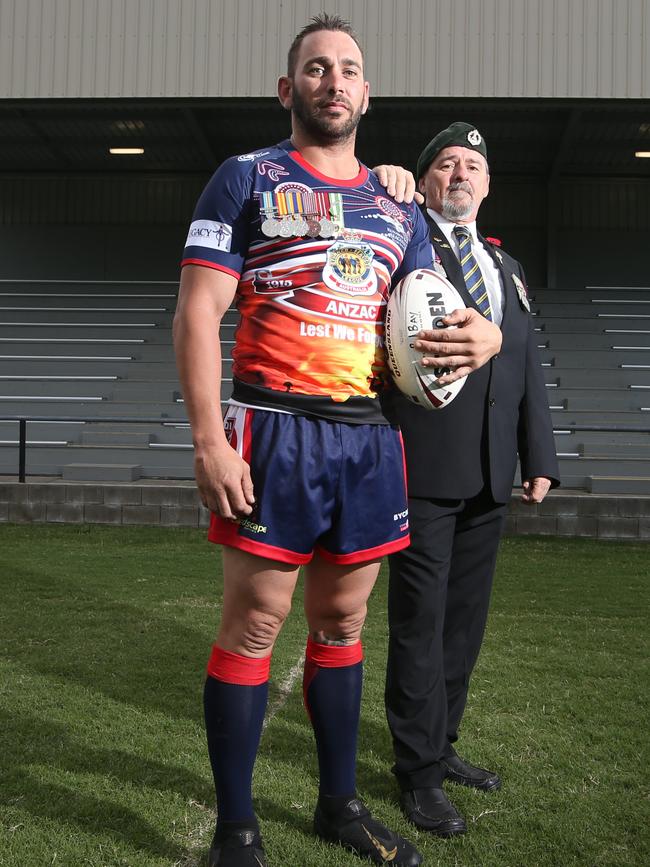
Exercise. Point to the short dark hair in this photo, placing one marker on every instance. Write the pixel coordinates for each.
(319, 22)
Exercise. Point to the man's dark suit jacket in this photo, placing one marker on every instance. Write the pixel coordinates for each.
(501, 411)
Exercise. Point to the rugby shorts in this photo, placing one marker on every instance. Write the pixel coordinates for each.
(319, 485)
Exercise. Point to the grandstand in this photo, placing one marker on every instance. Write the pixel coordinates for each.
(75, 351)
(595, 350)
(108, 137)
(94, 362)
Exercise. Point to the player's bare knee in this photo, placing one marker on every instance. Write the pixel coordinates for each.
(261, 630)
(339, 629)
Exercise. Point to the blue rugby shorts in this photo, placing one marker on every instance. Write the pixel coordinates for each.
(319, 485)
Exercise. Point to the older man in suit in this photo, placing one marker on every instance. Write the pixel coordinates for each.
(461, 463)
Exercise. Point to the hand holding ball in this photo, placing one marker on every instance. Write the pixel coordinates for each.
(418, 303)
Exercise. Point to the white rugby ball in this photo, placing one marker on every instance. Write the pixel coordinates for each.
(418, 303)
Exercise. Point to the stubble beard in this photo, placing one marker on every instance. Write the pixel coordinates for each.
(324, 130)
(455, 210)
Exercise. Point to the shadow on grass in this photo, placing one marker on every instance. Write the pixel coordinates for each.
(91, 815)
(129, 653)
(274, 811)
(36, 742)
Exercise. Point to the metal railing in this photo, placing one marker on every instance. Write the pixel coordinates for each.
(22, 421)
(59, 419)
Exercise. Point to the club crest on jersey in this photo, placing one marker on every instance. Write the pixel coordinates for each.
(349, 268)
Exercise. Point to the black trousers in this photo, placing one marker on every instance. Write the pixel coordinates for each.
(439, 594)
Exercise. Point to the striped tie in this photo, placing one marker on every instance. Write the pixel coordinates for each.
(471, 271)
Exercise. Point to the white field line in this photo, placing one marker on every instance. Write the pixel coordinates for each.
(193, 837)
(284, 691)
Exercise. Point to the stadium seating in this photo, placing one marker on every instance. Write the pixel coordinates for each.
(595, 348)
(76, 351)
(92, 350)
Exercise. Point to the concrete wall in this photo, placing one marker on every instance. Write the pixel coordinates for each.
(561, 514)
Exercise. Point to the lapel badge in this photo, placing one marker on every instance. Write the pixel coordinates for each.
(499, 256)
(521, 292)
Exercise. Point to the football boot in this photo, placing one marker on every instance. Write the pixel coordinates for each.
(241, 848)
(354, 828)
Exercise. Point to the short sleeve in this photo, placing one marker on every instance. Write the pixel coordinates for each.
(219, 234)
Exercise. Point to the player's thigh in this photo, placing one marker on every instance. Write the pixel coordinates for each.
(336, 596)
(257, 596)
(295, 464)
(371, 514)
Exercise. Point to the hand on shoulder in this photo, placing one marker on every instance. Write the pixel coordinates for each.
(399, 183)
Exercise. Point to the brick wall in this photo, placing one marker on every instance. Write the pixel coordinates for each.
(582, 514)
(170, 504)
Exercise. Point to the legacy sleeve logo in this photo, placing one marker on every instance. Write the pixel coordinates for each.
(208, 233)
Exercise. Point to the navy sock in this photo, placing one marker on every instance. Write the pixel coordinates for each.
(234, 714)
(332, 692)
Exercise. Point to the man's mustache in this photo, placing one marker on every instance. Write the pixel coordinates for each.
(465, 186)
(330, 99)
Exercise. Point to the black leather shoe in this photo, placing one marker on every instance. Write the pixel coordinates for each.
(460, 772)
(431, 810)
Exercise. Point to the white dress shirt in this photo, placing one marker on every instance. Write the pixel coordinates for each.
(490, 272)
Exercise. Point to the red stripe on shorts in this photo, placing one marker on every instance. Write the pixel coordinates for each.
(225, 533)
(368, 555)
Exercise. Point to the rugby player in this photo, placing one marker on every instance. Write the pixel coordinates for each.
(305, 469)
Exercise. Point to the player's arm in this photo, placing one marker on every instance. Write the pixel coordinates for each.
(223, 478)
(398, 183)
(463, 349)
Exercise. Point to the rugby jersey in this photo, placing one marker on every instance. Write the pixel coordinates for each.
(315, 258)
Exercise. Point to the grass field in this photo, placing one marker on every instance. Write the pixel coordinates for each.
(104, 635)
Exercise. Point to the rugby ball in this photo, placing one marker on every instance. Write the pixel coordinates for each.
(418, 303)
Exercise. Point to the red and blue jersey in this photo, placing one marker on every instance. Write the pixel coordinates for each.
(315, 258)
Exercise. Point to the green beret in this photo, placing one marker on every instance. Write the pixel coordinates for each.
(458, 134)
